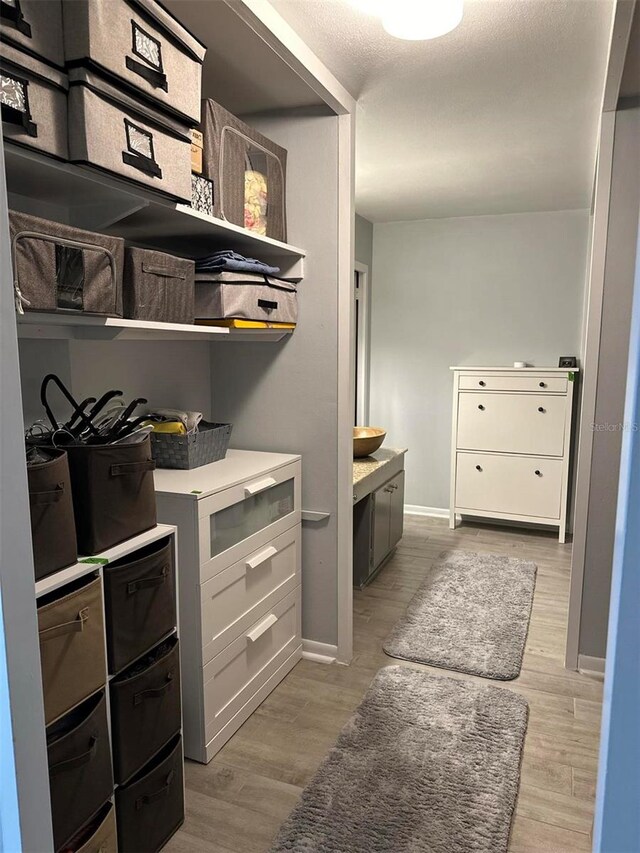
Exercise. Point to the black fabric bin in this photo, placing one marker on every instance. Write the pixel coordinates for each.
(99, 835)
(140, 602)
(113, 494)
(238, 158)
(158, 287)
(141, 45)
(80, 777)
(57, 267)
(71, 634)
(53, 530)
(145, 708)
(35, 26)
(151, 807)
(34, 102)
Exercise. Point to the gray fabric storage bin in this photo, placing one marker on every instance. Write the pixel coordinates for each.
(35, 26)
(158, 287)
(245, 296)
(126, 137)
(143, 45)
(231, 151)
(60, 268)
(34, 103)
(209, 444)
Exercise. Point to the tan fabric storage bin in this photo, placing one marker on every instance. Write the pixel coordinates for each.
(80, 777)
(158, 287)
(140, 602)
(248, 171)
(99, 835)
(113, 494)
(71, 634)
(53, 530)
(34, 102)
(142, 45)
(245, 296)
(35, 26)
(127, 138)
(64, 269)
(150, 808)
(145, 708)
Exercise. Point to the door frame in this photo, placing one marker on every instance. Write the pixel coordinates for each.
(363, 354)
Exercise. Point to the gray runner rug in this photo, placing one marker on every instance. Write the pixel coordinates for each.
(471, 614)
(426, 764)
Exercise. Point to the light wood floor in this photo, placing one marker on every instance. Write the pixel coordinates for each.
(237, 802)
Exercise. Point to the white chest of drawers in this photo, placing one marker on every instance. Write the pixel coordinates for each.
(239, 540)
(511, 444)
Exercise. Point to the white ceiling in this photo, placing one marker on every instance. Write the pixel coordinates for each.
(499, 116)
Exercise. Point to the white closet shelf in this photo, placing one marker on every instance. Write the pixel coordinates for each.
(92, 199)
(86, 565)
(87, 327)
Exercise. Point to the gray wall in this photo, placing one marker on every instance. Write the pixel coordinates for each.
(611, 384)
(364, 241)
(483, 290)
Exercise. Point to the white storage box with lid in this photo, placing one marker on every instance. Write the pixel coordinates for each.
(126, 137)
(142, 45)
(239, 542)
(511, 444)
(33, 97)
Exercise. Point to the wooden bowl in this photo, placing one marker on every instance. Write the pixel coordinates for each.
(366, 440)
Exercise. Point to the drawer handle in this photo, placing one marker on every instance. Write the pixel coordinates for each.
(481, 407)
(482, 383)
(478, 467)
(78, 760)
(260, 629)
(538, 473)
(262, 557)
(146, 799)
(145, 583)
(73, 627)
(154, 691)
(542, 384)
(259, 486)
(541, 409)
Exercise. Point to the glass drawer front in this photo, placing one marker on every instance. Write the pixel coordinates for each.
(234, 523)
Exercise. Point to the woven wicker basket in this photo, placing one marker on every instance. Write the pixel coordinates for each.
(209, 444)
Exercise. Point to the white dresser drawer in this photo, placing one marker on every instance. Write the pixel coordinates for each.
(512, 423)
(236, 673)
(513, 485)
(512, 382)
(233, 599)
(237, 521)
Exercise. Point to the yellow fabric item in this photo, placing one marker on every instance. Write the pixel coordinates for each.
(170, 428)
(245, 324)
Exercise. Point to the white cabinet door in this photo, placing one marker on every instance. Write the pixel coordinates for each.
(512, 423)
(513, 485)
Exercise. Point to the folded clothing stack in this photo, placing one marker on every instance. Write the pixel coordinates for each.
(232, 261)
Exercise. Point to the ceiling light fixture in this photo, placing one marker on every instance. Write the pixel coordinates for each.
(414, 20)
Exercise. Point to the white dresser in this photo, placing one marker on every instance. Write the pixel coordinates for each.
(511, 444)
(239, 524)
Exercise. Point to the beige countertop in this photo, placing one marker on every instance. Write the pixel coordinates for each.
(363, 468)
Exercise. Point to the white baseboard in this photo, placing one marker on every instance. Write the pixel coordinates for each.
(319, 652)
(430, 511)
(586, 663)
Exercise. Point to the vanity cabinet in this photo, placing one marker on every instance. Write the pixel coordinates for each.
(387, 523)
(378, 513)
(511, 444)
(239, 540)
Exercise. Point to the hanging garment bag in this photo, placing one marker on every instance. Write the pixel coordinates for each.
(71, 633)
(53, 529)
(140, 602)
(145, 708)
(113, 493)
(80, 778)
